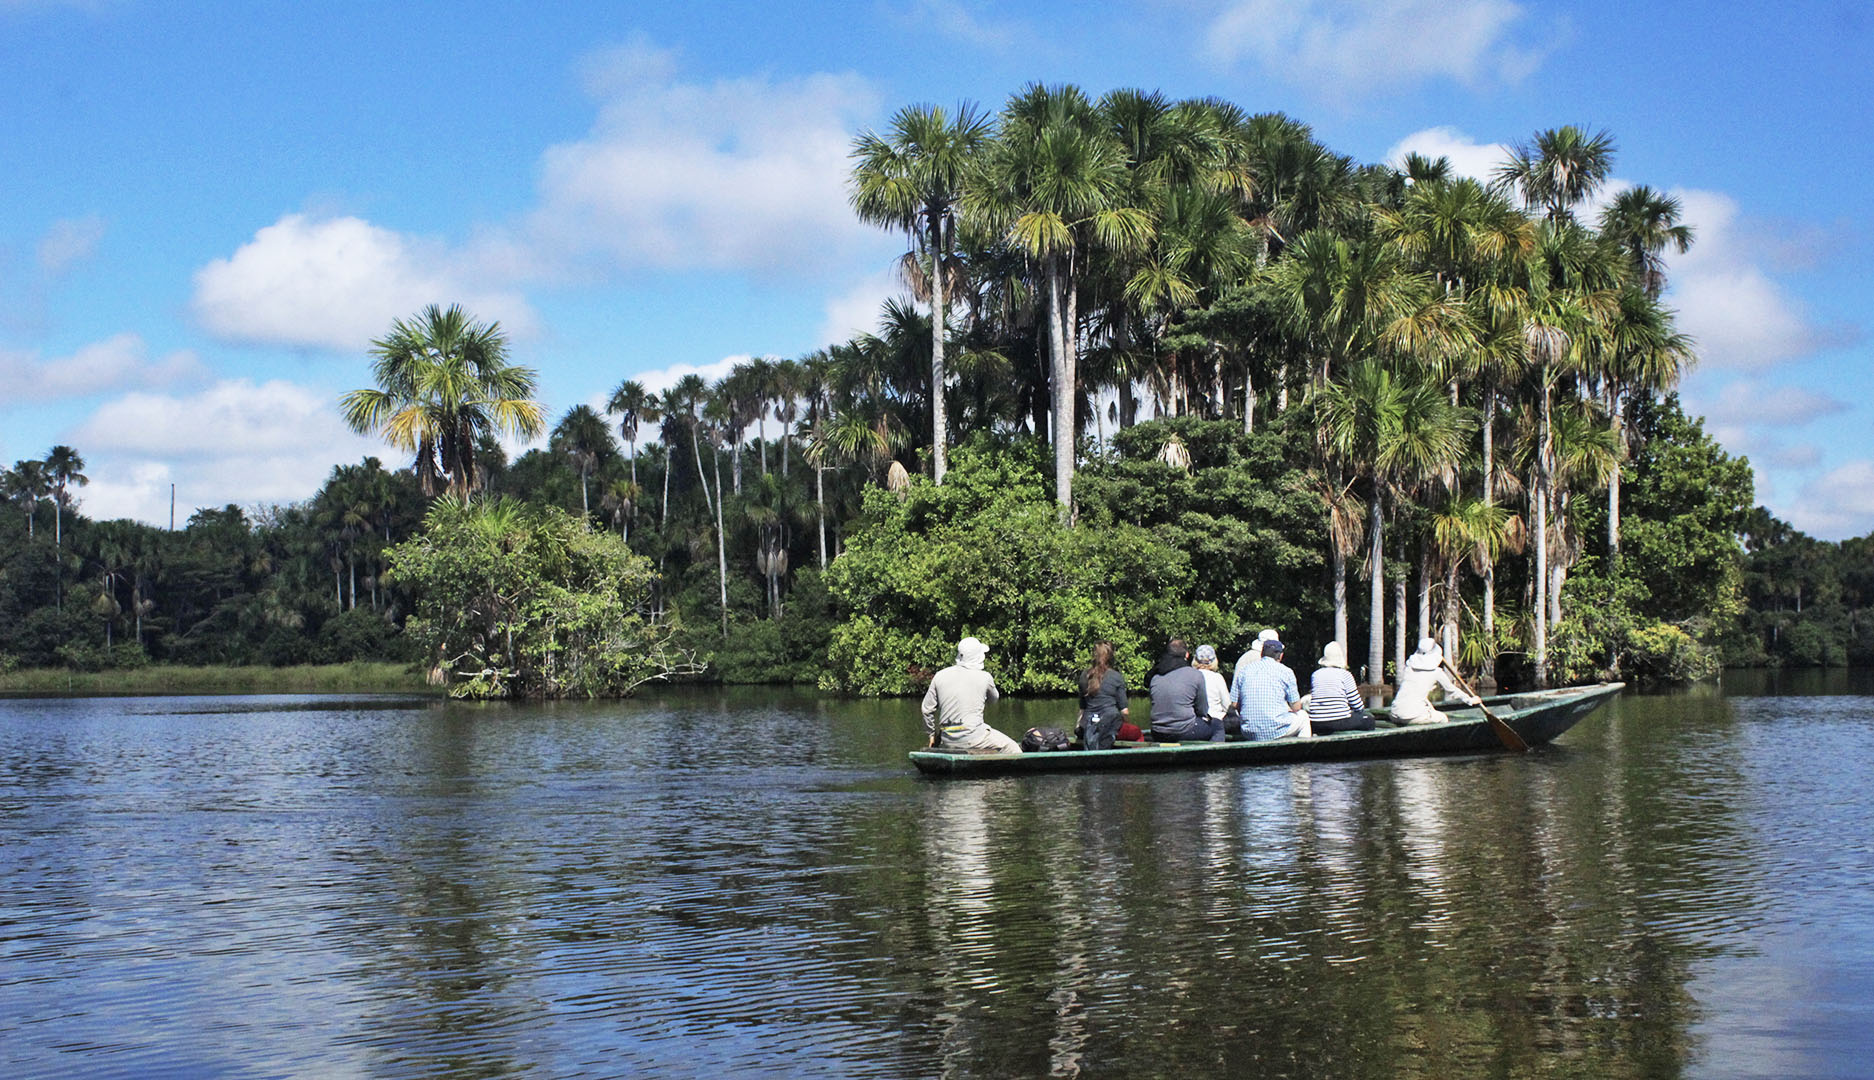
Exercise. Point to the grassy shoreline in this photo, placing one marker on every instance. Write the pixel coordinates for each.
(170, 679)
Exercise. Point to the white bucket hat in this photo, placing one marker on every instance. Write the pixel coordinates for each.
(970, 653)
(1332, 655)
(1429, 656)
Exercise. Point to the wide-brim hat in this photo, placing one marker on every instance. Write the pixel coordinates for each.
(1332, 655)
(1429, 656)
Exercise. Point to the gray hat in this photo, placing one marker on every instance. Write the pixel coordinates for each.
(1206, 654)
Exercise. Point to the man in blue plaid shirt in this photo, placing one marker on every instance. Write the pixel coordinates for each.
(1264, 694)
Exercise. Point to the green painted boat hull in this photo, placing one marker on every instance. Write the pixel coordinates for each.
(1538, 717)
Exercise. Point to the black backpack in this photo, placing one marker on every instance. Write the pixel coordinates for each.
(1041, 739)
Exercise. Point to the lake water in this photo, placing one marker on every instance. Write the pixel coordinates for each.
(749, 883)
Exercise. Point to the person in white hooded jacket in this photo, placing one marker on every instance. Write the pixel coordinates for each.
(954, 704)
(1424, 670)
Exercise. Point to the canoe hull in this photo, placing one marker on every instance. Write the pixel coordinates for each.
(1538, 718)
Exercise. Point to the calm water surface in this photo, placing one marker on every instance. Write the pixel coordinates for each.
(756, 884)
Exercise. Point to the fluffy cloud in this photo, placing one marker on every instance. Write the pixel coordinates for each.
(964, 22)
(1751, 401)
(337, 284)
(1352, 47)
(1839, 504)
(1468, 156)
(737, 174)
(233, 442)
(1742, 318)
(108, 366)
(69, 242)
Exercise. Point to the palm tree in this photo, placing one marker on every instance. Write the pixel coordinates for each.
(443, 382)
(64, 468)
(915, 180)
(1054, 186)
(634, 406)
(1640, 352)
(1645, 223)
(1394, 432)
(1558, 170)
(25, 485)
(1467, 529)
(582, 436)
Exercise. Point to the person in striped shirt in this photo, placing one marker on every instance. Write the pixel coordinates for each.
(1334, 701)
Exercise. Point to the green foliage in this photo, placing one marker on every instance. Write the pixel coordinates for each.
(985, 554)
(524, 601)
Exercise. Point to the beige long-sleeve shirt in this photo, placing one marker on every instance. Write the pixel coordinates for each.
(955, 703)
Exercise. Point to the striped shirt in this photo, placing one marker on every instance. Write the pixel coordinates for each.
(1334, 697)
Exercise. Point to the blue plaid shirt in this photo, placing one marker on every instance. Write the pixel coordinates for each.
(1262, 693)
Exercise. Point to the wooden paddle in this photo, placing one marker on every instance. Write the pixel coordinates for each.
(1505, 733)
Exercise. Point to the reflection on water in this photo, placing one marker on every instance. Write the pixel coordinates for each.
(733, 883)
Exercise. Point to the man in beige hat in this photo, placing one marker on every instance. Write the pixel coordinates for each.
(954, 704)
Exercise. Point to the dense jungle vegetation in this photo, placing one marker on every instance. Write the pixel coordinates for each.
(1190, 372)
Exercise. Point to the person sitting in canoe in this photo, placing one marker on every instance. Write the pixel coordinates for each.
(1179, 711)
(1334, 700)
(1216, 691)
(954, 704)
(1264, 694)
(1102, 700)
(1424, 670)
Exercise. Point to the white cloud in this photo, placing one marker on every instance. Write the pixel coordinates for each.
(856, 311)
(658, 380)
(1753, 402)
(233, 442)
(1741, 317)
(963, 22)
(109, 366)
(1351, 47)
(69, 242)
(1468, 157)
(739, 174)
(338, 283)
(1838, 504)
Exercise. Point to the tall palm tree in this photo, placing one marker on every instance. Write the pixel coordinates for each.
(1394, 431)
(444, 382)
(1558, 170)
(914, 179)
(582, 436)
(26, 484)
(1645, 223)
(634, 406)
(1054, 187)
(65, 469)
(1640, 351)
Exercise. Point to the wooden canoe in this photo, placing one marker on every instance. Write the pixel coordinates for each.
(1538, 717)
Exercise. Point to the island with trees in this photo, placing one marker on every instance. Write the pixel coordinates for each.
(1167, 367)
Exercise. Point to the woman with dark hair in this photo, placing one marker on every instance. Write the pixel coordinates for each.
(1102, 700)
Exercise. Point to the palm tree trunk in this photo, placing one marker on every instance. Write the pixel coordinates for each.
(351, 568)
(1398, 625)
(1539, 592)
(1063, 392)
(1249, 402)
(819, 496)
(1281, 389)
(1425, 589)
(939, 416)
(1490, 497)
(722, 550)
(702, 477)
(735, 466)
(1613, 482)
(1338, 559)
(585, 501)
(663, 515)
(1450, 633)
(1376, 608)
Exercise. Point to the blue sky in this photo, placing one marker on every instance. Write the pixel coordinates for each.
(211, 208)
